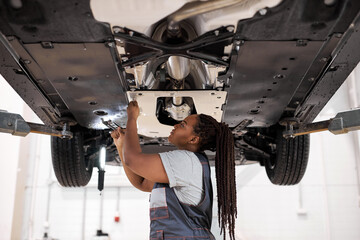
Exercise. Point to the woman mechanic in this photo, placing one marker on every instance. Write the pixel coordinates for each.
(179, 181)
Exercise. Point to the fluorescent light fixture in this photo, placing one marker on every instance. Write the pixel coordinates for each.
(102, 157)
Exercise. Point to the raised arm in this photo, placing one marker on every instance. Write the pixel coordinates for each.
(136, 180)
(148, 166)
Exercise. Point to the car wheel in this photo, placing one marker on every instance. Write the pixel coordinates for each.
(288, 165)
(71, 167)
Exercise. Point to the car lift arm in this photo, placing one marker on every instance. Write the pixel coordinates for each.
(14, 124)
(343, 122)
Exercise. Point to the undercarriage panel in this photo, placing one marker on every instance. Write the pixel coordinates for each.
(85, 77)
(261, 92)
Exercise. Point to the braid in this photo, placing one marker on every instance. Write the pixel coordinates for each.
(217, 136)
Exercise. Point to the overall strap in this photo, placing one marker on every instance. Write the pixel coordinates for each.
(202, 157)
(177, 220)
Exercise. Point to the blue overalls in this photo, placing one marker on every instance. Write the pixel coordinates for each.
(172, 219)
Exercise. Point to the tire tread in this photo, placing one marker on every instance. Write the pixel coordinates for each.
(290, 161)
(69, 161)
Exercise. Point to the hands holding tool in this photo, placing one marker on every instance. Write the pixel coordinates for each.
(118, 134)
(143, 170)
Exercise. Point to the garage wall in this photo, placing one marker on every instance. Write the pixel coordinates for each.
(15, 158)
(326, 205)
(9, 154)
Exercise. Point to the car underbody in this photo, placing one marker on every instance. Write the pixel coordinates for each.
(255, 65)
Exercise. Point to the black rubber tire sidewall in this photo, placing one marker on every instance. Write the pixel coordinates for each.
(289, 164)
(69, 161)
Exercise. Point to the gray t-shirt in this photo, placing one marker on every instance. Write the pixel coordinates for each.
(184, 171)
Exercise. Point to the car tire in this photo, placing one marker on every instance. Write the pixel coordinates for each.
(69, 162)
(288, 165)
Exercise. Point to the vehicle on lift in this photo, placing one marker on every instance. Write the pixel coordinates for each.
(262, 74)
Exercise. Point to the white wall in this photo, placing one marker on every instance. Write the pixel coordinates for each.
(9, 152)
(326, 205)
(14, 158)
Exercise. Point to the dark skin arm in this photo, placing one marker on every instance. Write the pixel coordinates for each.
(144, 169)
(137, 181)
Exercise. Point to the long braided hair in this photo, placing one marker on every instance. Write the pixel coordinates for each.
(217, 136)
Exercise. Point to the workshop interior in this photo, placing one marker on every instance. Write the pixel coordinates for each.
(284, 75)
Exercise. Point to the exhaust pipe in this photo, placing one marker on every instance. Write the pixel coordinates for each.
(178, 67)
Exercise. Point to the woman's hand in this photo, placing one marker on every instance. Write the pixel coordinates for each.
(133, 110)
(118, 136)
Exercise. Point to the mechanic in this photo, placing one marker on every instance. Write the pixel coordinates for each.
(179, 181)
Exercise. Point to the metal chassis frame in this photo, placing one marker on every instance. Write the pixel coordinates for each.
(221, 37)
